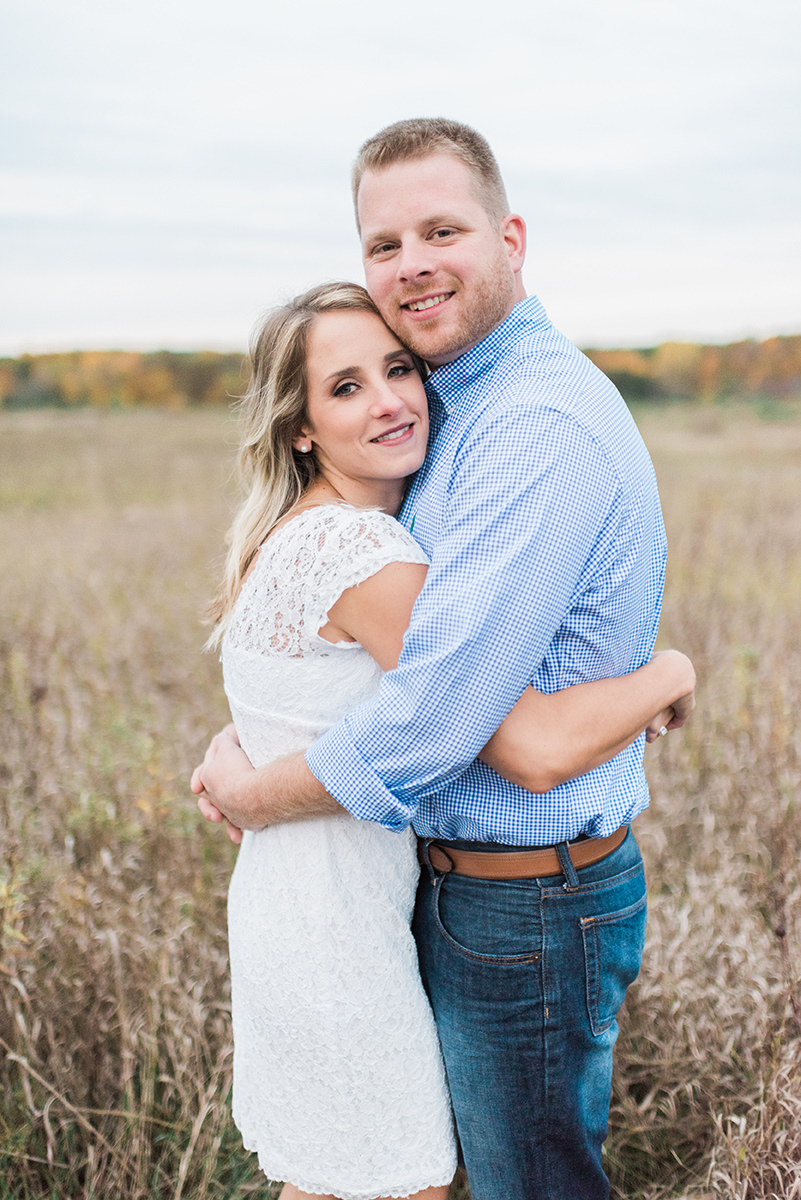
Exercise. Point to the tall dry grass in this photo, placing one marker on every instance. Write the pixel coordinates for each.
(708, 1091)
(114, 1033)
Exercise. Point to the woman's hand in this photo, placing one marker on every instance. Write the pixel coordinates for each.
(662, 720)
(675, 715)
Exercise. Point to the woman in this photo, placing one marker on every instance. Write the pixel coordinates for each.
(338, 1082)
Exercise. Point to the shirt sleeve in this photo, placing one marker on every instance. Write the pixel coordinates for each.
(530, 518)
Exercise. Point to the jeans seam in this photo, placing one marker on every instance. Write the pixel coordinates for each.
(546, 1044)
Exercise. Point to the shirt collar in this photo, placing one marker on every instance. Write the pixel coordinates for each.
(450, 378)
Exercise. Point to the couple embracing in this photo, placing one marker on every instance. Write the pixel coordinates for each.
(437, 623)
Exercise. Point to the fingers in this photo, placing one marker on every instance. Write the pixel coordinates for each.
(670, 718)
(214, 815)
(234, 832)
(662, 720)
(208, 810)
(683, 709)
(229, 732)
(222, 747)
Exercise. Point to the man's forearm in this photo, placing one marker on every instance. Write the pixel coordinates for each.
(286, 790)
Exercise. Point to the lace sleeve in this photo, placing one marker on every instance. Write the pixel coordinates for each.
(350, 546)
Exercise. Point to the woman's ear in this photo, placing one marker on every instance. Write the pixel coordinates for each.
(302, 443)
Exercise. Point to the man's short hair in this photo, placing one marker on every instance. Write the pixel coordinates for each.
(421, 137)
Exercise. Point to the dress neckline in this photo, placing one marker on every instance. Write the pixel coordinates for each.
(302, 512)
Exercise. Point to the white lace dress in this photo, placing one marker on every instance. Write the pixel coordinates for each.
(338, 1078)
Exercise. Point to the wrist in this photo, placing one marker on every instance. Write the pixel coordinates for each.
(686, 675)
(251, 789)
(676, 672)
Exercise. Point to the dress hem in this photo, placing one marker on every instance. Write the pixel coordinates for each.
(371, 1193)
(392, 1193)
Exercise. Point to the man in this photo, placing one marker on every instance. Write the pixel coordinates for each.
(538, 509)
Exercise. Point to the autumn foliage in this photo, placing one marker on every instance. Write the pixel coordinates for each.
(741, 370)
(748, 370)
(121, 379)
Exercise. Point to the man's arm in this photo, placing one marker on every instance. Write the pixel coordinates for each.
(545, 740)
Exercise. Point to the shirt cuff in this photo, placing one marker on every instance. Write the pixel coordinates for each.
(337, 764)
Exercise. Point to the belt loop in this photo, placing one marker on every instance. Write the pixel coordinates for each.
(568, 870)
(425, 858)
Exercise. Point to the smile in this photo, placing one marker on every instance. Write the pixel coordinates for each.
(394, 435)
(421, 305)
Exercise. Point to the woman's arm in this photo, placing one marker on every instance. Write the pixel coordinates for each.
(546, 739)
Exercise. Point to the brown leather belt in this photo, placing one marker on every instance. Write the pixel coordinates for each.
(519, 864)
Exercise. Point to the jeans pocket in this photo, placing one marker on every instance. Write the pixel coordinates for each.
(613, 947)
(488, 922)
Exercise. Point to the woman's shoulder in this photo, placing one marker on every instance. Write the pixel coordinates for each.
(340, 527)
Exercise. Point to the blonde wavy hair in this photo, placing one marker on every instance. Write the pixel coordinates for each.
(271, 416)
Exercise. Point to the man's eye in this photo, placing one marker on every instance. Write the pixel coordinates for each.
(384, 248)
(443, 233)
(345, 389)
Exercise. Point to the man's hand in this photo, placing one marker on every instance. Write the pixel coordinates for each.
(230, 790)
(225, 766)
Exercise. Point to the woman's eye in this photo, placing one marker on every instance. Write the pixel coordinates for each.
(399, 370)
(345, 389)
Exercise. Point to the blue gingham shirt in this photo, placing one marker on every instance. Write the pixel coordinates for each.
(538, 508)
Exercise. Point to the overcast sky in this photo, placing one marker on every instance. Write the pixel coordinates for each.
(171, 168)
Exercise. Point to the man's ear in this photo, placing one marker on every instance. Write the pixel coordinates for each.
(513, 229)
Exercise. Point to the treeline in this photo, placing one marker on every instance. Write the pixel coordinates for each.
(747, 370)
(121, 379)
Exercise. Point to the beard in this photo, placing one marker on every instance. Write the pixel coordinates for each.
(482, 306)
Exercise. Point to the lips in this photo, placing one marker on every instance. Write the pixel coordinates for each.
(393, 435)
(426, 302)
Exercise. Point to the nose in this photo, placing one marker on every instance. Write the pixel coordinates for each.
(385, 401)
(414, 260)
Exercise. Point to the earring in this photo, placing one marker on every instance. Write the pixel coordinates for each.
(304, 449)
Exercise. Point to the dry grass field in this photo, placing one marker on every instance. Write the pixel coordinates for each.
(114, 1034)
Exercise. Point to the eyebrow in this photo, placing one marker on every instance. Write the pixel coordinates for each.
(338, 374)
(342, 371)
(382, 236)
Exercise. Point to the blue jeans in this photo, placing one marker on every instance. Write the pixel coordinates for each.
(526, 978)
